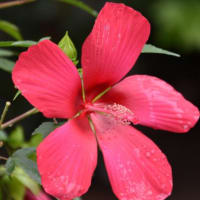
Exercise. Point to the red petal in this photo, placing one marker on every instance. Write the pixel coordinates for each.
(113, 46)
(137, 169)
(67, 158)
(48, 80)
(155, 103)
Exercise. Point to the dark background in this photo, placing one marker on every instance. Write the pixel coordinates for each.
(52, 18)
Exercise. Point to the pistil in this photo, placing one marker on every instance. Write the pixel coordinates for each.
(119, 112)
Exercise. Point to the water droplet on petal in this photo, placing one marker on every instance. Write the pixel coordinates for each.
(179, 115)
(148, 154)
(185, 127)
(149, 192)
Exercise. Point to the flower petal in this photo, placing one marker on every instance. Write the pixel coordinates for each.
(67, 158)
(137, 169)
(48, 80)
(113, 46)
(155, 103)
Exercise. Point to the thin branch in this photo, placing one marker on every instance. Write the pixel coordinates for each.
(18, 118)
(4, 112)
(14, 3)
(3, 158)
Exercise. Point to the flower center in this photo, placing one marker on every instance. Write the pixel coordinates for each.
(118, 112)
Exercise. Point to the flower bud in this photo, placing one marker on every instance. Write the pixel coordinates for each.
(68, 48)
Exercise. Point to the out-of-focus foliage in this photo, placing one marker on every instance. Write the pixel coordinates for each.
(177, 23)
(21, 159)
(10, 29)
(16, 138)
(26, 180)
(6, 53)
(11, 187)
(20, 170)
(6, 64)
(44, 129)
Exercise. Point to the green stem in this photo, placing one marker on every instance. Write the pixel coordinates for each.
(101, 94)
(83, 90)
(18, 118)
(14, 3)
(92, 125)
(4, 112)
(82, 6)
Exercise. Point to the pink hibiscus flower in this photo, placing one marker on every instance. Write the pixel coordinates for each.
(67, 158)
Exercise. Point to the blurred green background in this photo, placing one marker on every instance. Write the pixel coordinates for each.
(175, 26)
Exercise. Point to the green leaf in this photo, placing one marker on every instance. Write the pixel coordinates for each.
(6, 65)
(12, 188)
(23, 43)
(6, 43)
(10, 166)
(21, 158)
(10, 29)
(68, 48)
(25, 152)
(35, 140)
(148, 48)
(6, 53)
(16, 138)
(80, 71)
(3, 136)
(45, 38)
(2, 171)
(16, 95)
(81, 5)
(26, 180)
(44, 129)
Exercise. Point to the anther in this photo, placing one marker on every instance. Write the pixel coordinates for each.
(119, 113)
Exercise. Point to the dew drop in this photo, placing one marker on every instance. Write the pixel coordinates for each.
(180, 121)
(18, 81)
(149, 192)
(152, 151)
(179, 115)
(107, 27)
(137, 152)
(154, 159)
(185, 127)
(148, 154)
